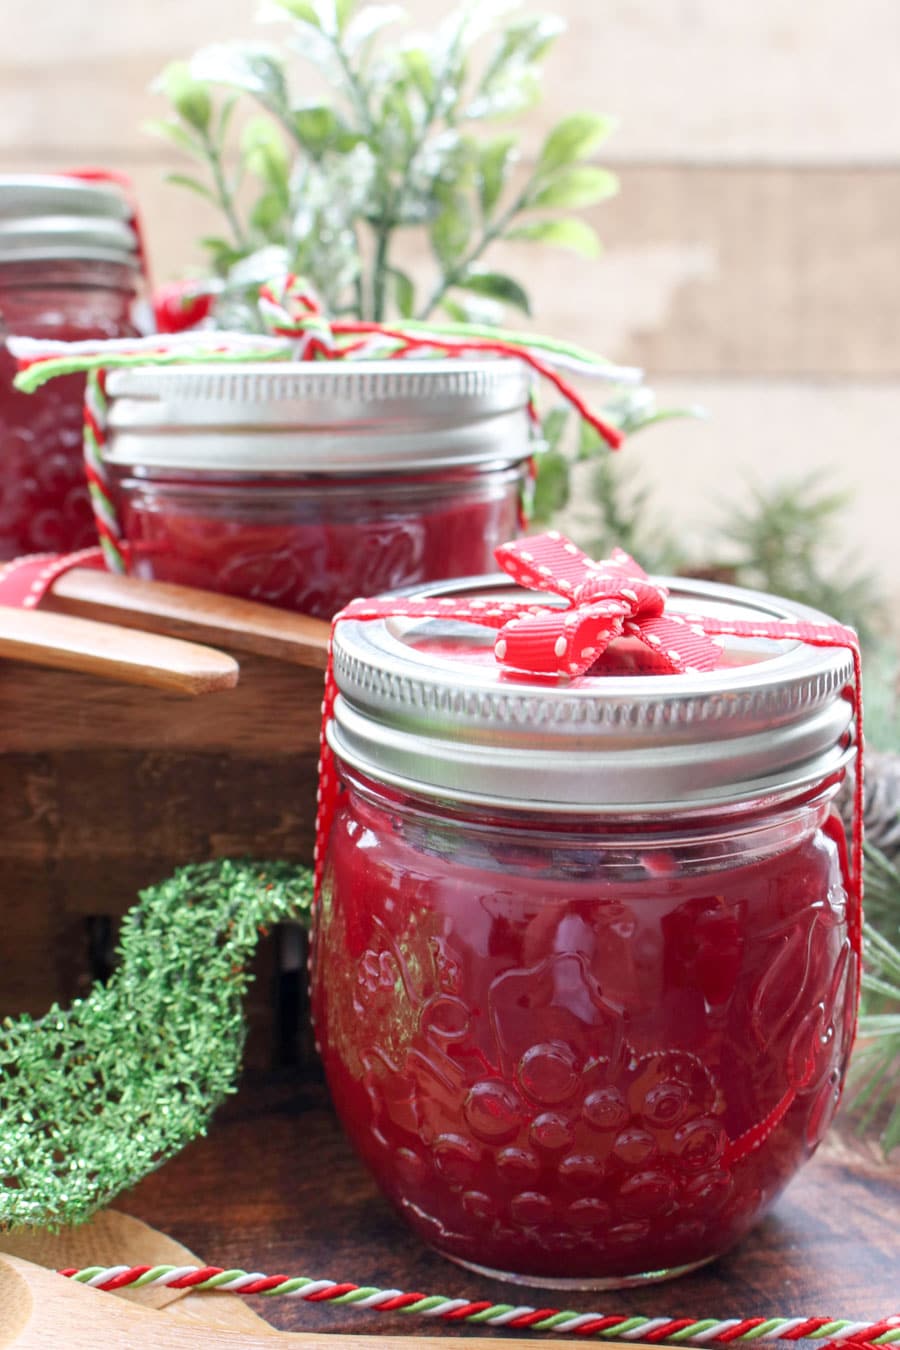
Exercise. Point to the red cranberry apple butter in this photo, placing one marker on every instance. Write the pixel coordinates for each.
(68, 269)
(584, 973)
(306, 484)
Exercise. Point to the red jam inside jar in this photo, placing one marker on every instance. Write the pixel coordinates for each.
(306, 484)
(583, 1058)
(311, 545)
(68, 269)
(580, 1048)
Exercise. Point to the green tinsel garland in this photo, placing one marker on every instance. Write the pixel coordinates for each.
(94, 1097)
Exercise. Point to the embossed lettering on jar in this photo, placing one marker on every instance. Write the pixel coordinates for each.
(583, 975)
(306, 484)
(68, 270)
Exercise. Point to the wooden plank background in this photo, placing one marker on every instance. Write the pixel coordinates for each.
(751, 260)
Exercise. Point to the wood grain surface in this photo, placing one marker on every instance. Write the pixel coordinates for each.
(197, 616)
(276, 1188)
(107, 788)
(112, 1237)
(813, 81)
(61, 642)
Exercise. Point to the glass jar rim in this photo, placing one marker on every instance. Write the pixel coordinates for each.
(69, 273)
(691, 825)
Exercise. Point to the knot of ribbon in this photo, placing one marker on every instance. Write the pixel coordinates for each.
(605, 600)
(290, 309)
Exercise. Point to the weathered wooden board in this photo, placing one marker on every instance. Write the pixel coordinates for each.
(274, 710)
(706, 271)
(813, 81)
(105, 789)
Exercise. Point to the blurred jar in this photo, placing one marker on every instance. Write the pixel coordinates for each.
(69, 267)
(305, 484)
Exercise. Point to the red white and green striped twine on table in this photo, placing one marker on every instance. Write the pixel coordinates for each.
(594, 1325)
(296, 330)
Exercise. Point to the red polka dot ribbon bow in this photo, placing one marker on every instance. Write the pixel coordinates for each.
(604, 601)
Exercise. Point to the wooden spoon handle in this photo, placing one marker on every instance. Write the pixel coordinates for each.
(64, 643)
(201, 616)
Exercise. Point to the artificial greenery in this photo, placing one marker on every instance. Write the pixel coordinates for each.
(783, 538)
(94, 1097)
(874, 1092)
(622, 516)
(881, 679)
(406, 141)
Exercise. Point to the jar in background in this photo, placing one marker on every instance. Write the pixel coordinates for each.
(583, 978)
(69, 268)
(306, 484)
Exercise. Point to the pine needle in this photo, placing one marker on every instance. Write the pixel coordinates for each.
(874, 1087)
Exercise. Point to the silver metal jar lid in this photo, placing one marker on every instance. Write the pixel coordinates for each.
(52, 218)
(319, 417)
(424, 706)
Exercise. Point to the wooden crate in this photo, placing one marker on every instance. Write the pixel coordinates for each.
(106, 787)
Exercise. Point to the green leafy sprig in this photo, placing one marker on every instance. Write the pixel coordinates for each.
(784, 538)
(404, 141)
(622, 512)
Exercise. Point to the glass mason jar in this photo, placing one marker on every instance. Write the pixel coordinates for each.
(306, 484)
(68, 271)
(583, 977)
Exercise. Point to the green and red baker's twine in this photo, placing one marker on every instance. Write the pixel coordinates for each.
(105, 518)
(595, 1325)
(40, 361)
(296, 330)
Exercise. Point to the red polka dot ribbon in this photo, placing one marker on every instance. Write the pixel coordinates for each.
(25, 581)
(604, 601)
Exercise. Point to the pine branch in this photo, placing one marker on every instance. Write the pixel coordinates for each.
(874, 1087)
(781, 539)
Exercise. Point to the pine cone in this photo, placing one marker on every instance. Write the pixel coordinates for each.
(881, 809)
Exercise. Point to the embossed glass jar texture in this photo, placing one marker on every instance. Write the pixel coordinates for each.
(306, 484)
(577, 1042)
(68, 266)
